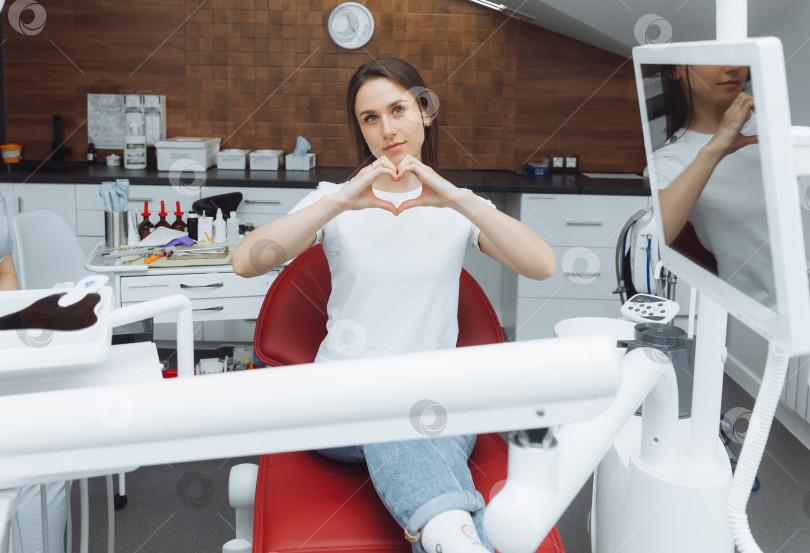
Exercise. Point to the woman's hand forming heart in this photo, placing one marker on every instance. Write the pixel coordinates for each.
(357, 193)
(436, 191)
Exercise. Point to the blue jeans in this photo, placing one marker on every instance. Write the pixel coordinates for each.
(418, 479)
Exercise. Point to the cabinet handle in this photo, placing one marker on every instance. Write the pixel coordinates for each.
(584, 223)
(262, 201)
(19, 204)
(140, 199)
(573, 274)
(212, 285)
(215, 308)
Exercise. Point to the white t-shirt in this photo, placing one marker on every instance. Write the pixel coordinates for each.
(394, 278)
(729, 218)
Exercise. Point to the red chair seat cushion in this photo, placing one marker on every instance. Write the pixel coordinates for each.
(307, 503)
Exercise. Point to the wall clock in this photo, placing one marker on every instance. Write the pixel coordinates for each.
(351, 25)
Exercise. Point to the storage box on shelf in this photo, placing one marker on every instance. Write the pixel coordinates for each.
(583, 230)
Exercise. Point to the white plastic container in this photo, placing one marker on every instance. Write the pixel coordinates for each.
(205, 230)
(43, 349)
(232, 158)
(300, 162)
(233, 228)
(266, 160)
(202, 151)
(219, 228)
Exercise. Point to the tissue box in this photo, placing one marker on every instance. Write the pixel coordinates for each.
(232, 159)
(266, 160)
(200, 150)
(300, 162)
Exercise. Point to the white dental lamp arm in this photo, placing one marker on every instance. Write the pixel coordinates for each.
(185, 336)
(480, 389)
(544, 479)
(731, 19)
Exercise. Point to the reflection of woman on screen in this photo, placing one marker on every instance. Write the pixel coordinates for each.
(710, 117)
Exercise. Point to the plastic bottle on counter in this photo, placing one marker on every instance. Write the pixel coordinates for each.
(146, 227)
(162, 222)
(135, 147)
(219, 228)
(193, 224)
(178, 223)
(233, 228)
(205, 229)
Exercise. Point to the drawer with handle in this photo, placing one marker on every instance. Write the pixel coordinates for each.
(218, 309)
(203, 285)
(581, 273)
(576, 220)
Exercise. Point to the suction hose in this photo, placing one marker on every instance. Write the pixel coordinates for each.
(754, 446)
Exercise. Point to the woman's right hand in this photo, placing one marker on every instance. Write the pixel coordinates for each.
(357, 193)
(728, 138)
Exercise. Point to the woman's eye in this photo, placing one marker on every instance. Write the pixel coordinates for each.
(399, 110)
(370, 118)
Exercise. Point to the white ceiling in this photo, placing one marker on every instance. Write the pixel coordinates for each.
(611, 24)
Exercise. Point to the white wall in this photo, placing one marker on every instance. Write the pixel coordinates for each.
(790, 24)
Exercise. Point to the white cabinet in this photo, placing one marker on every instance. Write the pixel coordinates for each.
(583, 230)
(261, 205)
(224, 305)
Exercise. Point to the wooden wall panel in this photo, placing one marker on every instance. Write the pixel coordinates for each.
(258, 73)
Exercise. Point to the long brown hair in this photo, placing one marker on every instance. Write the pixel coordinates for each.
(405, 75)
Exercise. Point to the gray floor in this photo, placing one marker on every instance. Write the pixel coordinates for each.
(184, 507)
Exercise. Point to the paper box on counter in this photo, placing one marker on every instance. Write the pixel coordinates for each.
(266, 160)
(232, 159)
(303, 162)
(202, 151)
(538, 169)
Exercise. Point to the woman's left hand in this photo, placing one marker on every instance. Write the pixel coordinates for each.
(436, 191)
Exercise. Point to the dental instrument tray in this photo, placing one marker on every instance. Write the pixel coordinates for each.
(27, 347)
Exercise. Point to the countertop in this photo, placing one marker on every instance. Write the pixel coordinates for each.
(476, 180)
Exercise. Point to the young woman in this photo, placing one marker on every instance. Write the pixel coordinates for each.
(711, 175)
(395, 236)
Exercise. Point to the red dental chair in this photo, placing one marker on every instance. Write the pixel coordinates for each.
(307, 503)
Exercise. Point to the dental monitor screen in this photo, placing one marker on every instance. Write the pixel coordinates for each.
(717, 135)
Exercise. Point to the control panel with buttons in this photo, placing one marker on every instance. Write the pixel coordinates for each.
(644, 308)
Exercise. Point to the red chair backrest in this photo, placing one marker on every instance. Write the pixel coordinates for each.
(292, 320)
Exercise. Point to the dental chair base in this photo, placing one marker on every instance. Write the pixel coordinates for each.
(297, 480)
(682, 509)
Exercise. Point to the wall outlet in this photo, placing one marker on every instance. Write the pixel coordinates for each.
(572, 163)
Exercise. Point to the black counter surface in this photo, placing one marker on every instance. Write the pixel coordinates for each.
(478, 181)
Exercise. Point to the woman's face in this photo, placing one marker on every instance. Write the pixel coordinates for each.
(714, 85)
(390, 120)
